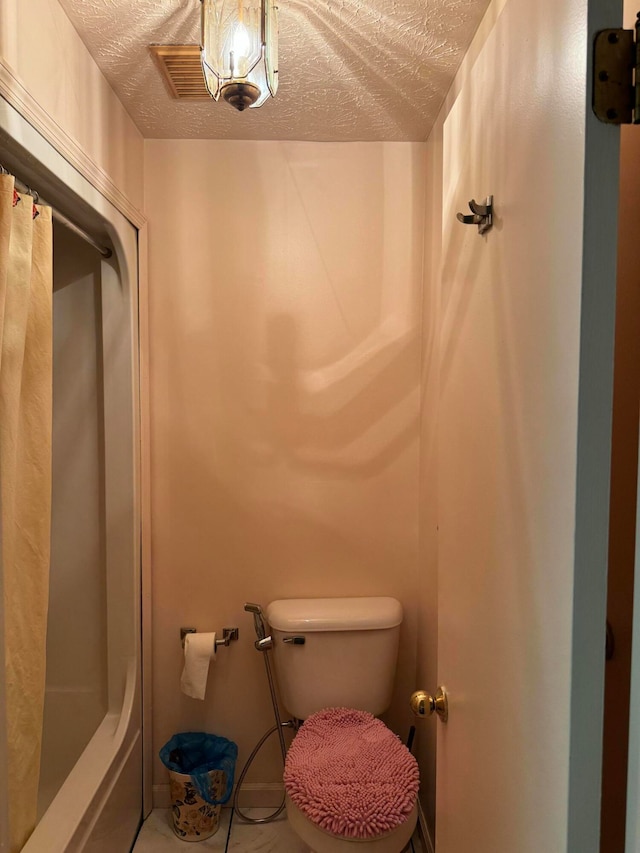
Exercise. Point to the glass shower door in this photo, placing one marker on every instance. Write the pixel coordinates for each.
(76, 699)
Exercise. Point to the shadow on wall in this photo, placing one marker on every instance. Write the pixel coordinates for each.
(323, 389)
(351, 420)
(289, 497)
(285, 316)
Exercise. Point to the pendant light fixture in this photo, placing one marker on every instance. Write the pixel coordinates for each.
(240, 50)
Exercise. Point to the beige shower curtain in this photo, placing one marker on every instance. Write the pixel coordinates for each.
(26, 254)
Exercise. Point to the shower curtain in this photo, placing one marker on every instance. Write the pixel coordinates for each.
(26, 280)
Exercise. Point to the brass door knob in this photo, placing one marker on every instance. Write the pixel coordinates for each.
(423, 704)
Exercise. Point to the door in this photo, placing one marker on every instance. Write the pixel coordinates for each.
(632, 836)
(525, 370)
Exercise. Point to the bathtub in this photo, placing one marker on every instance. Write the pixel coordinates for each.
(96, 804)
(98, 808)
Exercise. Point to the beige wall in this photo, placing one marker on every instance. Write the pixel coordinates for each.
(40, 49)
(285, 306)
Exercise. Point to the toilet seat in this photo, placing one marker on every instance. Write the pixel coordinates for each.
(351, 784)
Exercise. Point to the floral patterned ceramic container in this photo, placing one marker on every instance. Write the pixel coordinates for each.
(193, 818)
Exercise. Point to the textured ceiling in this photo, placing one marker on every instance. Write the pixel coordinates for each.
(349, 69)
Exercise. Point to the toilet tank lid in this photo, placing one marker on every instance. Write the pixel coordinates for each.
(334, 614)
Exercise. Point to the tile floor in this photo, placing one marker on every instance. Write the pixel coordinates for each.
(233, 836)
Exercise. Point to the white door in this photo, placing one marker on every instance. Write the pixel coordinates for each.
(524, 439)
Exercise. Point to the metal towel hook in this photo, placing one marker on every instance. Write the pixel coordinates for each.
(482, 215)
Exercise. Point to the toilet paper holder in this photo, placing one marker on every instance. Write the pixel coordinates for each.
(228, 634)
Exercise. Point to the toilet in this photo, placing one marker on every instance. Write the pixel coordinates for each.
(351, 785)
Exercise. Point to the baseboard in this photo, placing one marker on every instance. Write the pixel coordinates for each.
(423, 829)
(268, 795)
(265, 795)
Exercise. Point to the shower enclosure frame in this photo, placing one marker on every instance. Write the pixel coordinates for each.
(87, 809)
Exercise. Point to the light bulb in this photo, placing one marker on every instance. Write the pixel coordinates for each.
(240, 47)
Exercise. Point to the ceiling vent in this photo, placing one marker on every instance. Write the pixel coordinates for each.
(181, 70)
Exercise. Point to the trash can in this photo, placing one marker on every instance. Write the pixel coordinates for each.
(201, 768)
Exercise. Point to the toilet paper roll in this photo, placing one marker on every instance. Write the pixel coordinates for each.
(199, 651)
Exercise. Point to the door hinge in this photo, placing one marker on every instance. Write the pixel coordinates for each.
(616, 75)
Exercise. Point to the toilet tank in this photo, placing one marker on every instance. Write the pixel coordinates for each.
(335, 652)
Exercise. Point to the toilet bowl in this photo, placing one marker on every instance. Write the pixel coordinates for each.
(321, 841)
(351, 784)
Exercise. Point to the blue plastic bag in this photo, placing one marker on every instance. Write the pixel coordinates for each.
(196, 754)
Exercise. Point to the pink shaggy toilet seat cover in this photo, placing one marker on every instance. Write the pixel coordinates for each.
(350, 775)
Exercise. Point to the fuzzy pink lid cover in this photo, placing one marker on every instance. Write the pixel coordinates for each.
(350, 775)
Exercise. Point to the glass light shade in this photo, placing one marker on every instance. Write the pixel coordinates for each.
(240, 50)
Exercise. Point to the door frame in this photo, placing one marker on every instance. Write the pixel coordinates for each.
(597, 328)
(632, 842)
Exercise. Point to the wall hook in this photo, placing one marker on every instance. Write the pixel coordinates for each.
(482, 215)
